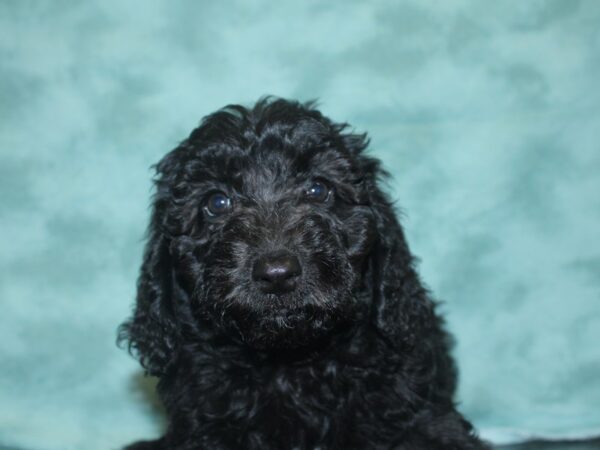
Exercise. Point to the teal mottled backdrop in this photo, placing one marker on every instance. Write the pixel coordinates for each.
(486, 113)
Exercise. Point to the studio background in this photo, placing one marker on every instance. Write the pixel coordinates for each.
(486, 113)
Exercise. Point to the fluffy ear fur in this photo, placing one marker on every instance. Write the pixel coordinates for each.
(152, 333)
(401, 309)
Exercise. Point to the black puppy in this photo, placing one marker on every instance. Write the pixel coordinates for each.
(278, 301)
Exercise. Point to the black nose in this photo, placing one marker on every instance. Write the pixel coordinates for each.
(276, 273)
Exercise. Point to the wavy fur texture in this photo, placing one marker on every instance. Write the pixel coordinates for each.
(354, 357)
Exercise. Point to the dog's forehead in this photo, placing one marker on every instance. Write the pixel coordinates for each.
(276, 163)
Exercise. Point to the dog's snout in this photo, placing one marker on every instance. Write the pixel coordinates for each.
(276, 273)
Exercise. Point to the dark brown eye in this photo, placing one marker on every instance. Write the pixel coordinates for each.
(218, 204)
(317, 192)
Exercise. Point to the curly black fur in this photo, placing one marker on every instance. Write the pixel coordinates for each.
(354, 356)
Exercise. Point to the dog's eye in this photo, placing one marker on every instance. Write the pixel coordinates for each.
(317, 192)
(218, 204)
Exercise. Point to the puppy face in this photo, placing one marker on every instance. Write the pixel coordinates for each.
(269, 227)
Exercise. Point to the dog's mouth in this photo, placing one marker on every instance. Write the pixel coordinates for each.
(282, 321)
(288, 328)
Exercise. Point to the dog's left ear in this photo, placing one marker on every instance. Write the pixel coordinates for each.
(401, 309)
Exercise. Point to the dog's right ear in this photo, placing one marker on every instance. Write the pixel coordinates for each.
(152, 334)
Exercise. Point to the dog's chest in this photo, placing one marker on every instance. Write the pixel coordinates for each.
(314, 406)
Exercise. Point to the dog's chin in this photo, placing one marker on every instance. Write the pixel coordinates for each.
(281, 332)
(279, 328)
